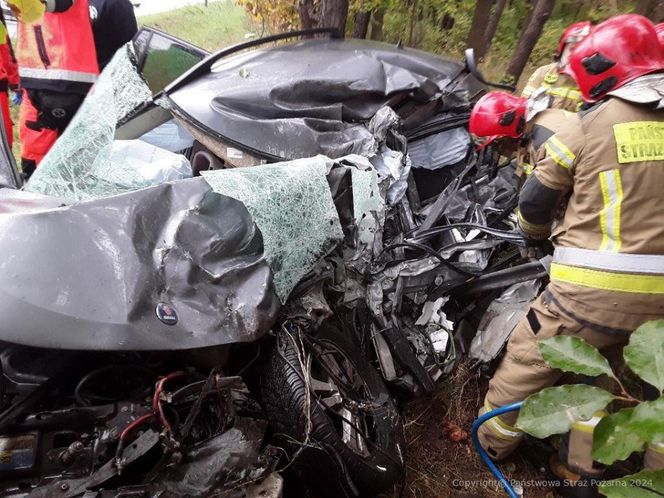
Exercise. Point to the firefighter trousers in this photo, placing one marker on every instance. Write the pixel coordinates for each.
(36, 141)
(523, 372)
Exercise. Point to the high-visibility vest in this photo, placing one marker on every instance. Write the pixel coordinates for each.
(57, 52)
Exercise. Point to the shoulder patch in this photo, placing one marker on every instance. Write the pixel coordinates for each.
(539, 135)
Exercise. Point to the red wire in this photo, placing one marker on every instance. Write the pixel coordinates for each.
(156, 400)
(139, 421)
(157, 409)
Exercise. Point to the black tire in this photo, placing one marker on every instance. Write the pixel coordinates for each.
(330, 465)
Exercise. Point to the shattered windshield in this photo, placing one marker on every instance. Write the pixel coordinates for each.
(292, 205)
(85, 163)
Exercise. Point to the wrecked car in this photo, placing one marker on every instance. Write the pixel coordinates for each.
(211, 285)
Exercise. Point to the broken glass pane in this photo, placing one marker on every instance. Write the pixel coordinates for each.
(83, 163)
(292, 205)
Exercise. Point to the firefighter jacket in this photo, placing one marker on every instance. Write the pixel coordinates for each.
(537, 130)
(562, 90)
(57, 52)
(608, 265)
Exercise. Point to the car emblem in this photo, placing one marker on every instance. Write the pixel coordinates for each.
(166, 314)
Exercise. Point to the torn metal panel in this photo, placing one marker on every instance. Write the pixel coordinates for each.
(293, 207)
(441, 149)
(178, 248)
(82, 163)
(500, 319)
(388, 156)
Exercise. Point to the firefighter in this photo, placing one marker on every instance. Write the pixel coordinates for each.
(607, 275)
(8, 78)
(502, 118)
(562, 90)
(660, 34)
(57, 66)
(113, 24)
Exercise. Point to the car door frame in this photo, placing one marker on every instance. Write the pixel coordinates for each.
(142, 56)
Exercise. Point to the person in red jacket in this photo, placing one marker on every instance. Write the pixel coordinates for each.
(57, 66)
(8, 78)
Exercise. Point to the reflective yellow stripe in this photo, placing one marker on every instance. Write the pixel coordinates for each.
(611, 281)
(639, 141)
(609, 218)
(559, 152)
(526, 168)
(499, 428)
(528, 91)
(588, 426)
(565, 92)
(533, 229)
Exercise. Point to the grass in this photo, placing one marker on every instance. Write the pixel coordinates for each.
(212, 27)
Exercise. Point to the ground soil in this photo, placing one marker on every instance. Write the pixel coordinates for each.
(441, 460)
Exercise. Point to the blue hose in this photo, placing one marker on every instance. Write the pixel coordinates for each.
(483, 454)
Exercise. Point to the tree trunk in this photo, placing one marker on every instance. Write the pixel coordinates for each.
(307, 13)
(324, 14)
(493, 25)
(528, 39)
(645, 7)
(361, 24)
(377, 24)
(478, 27)
(334, 14)
(658, 13)
(412, 23)
(527, 18)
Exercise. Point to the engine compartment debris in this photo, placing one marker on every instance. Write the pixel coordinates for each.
(216, 323)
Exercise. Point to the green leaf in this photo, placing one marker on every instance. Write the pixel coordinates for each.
(644, 354)
(644, 484)
(554, 409)
(614, 440)
(617, 436)
(573, 354)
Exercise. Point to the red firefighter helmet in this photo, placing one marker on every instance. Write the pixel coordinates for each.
(616, 52)
(573, 34)
(659, 28)
(498, 114)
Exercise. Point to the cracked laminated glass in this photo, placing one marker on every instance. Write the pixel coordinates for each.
(85, 163)
(292, 205)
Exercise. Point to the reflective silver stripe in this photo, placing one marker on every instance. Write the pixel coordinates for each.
(561, 154)
(610, 215)
(612, 261)
(50, 5)
(57, 74)
(502, 431)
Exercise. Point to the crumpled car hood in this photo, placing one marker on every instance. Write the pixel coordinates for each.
(308, 98)
(91, 275)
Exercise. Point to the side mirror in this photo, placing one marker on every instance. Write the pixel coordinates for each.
(471, 66)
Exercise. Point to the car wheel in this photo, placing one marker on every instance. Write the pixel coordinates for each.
(331, 411)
